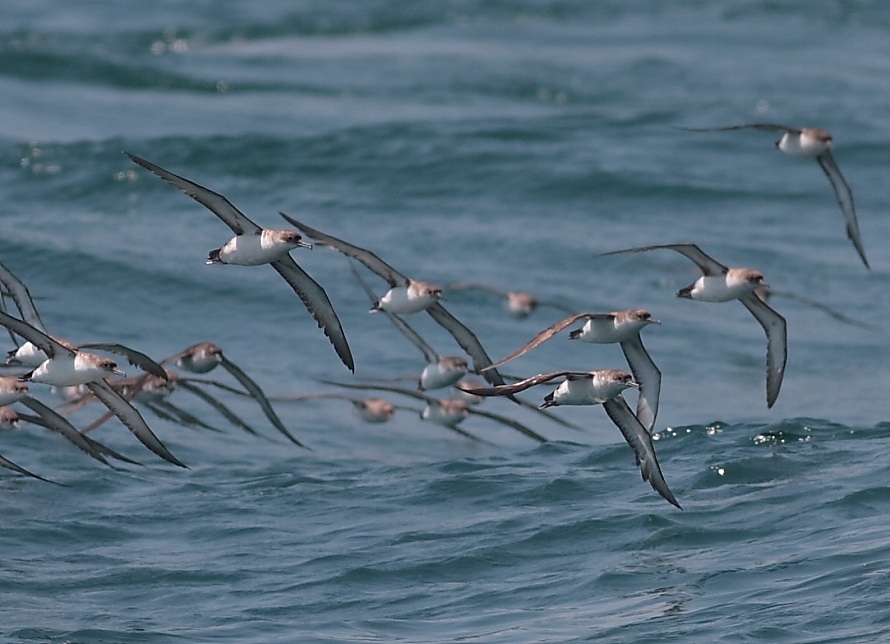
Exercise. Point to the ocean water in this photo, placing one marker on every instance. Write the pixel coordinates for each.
(504, 143)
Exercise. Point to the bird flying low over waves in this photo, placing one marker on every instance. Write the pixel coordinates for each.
(624, 328)
(254, 245)
(29, 355)
(599, 387)
(66, 366)
(810, 143)
(205, 356)
(440, 371)
(370, 410)
(720, 283)
(410, 296)
(448, 412)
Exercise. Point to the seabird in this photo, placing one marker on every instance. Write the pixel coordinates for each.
(447, 411)
(599, 387)
(254, 245)
(370, 410)
(440, 371)
(624, 328)
(66, 366)
(720, 283)
(810, 143)
(205, 356)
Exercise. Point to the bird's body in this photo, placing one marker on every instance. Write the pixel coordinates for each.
(255, 250)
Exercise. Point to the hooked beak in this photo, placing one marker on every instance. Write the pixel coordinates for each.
(302, 244)
(118, 372)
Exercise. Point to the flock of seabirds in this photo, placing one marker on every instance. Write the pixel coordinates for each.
(85, 377)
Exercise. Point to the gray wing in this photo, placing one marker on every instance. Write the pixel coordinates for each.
(509, 422)
(219, 385)
(38, 338)
(522, 385)
(218, 405)
(647, 374)
(776, 344)
(766, 127)
(366, 257)
(107, 451)
(467, 341)
(316, 301)
(135, 358)
(260, 397)
(215, 202)
(845, 200)
(428, 352)
(186, 418)
(52, 420)
(22, 298)
(5, 462)
(454, 427)
(827, 310)
(317, 396)
(132, 419)
(465, 434)
(708, 265)
(421, 396)
(168, 411)
(641, 443)
(546, 334)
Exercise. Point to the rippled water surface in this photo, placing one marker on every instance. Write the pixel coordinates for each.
(506, 144)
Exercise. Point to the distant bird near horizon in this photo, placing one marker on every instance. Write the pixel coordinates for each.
(447, 412)
(720, 283)
(810, 143)
(520, 304)
(254, 245)
(370, 410)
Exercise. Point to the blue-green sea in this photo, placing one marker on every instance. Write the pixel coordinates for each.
(502, 143)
